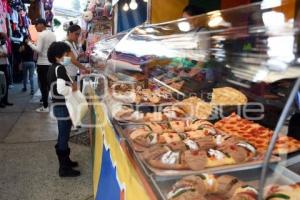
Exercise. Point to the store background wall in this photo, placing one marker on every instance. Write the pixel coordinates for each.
(34, 11)
(166, 10)
(131, 18)
(288, 9)
(233, 3)
(209, 5)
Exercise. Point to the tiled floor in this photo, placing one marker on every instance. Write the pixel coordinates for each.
(28, 164)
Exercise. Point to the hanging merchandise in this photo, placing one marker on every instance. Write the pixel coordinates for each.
(100, 2)
(107, 9)
(48, 16)
(28, 1)
(99, 12)
(18, 16)
(17, 24)
(91, 5)
(100, 8)
(48, 5)
(96, 23)
(17, 4)
(3, 13)
(87, 16)
(14, 16)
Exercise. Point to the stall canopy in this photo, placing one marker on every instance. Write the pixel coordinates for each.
(72, 8)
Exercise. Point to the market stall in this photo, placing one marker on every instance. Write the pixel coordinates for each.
(189, 108)
(15, 23)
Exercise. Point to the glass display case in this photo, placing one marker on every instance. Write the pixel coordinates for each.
(211, 94)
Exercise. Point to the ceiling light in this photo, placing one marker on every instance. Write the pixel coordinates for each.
(150, 30)
(133, 5)
(184, 26)
(126, 7)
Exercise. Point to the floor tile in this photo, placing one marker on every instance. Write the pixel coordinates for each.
(30, 173)
(7, 121)
(33, 127)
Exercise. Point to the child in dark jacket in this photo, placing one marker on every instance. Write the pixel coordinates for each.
(60, 87)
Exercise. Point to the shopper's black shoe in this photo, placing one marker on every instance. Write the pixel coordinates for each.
(2, 105)
(69, 161)
(8, 104)
(65, 170)
(68, 172)
(31, 92)
(72, 163)
(24, 89)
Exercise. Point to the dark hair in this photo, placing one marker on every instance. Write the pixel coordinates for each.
(194, 10)
(73, 28)
(40, 21)
(57, 50)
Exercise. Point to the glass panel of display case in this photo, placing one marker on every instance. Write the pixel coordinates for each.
(241, 48)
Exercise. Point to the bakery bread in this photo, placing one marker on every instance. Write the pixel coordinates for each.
(279, 192)
(208, 186)
(179, 156)
(227, 96)
(196, 107)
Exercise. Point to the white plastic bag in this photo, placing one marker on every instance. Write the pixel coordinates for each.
(77, 106)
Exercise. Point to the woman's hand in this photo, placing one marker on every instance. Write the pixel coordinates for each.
(74, 86)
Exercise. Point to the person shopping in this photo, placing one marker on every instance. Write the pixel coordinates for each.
(4, 63)
(28, 65)
(45, 39)
(73, 35)
(60, 87)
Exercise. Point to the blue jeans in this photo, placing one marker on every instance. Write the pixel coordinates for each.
(28, 67)
(64, 126)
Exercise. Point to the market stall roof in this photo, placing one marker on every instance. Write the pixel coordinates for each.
(66, 12)
(71, 8)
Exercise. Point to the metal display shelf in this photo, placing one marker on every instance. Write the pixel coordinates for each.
(276, 174)
(249, 54)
